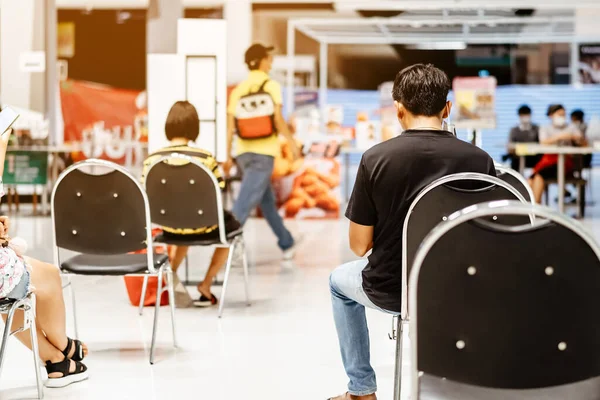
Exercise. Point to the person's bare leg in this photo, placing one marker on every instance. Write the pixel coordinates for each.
(538, 185)
(177, 256)
(219, 259)
(46, 349)
(50, 304)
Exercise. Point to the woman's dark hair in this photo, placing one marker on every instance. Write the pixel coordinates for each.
(554, 108)
(422, 89)
(524, 110)
(183, 122)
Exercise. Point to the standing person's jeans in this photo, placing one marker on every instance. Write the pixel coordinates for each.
(349, 302)
(256, 191)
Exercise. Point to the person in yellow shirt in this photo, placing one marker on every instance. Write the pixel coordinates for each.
(257, 142)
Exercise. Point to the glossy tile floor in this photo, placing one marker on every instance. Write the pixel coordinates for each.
(283, 347)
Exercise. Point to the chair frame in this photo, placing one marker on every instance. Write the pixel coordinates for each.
(501, 207)
(506, 170)
(399, 321)
(164, 271)
(27, 305)
(223, 241)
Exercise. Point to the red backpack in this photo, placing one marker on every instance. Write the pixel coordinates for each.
(255, 115)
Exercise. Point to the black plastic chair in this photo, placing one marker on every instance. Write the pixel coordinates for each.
(515, 179)
(506, 312)
(106, 217)
(433, 205)
(27, 305)
(184, 194)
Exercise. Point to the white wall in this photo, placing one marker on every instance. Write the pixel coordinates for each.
(161, 36)
(238, 14)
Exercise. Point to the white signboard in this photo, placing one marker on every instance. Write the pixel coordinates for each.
(33, 61)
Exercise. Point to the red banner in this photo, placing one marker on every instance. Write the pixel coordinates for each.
(102, 117)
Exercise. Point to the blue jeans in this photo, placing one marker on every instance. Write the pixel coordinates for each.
(256, 191)
(349, 302)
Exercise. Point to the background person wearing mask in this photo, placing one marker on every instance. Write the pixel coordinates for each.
(256, 157)
(524, 132)
(578, 120)
(559, 132)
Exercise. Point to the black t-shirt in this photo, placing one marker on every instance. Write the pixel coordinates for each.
(390, 176)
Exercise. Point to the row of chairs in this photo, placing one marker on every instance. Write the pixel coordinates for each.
(482, 309)
(103, 213)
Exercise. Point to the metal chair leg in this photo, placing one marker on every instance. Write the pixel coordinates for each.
(159, 291)
(171, 290)
(74, 305)
(398, 369)
(34, 346)
(226, 278)
(143, 295)
(245, 264)
(187, 270)
(6, 335)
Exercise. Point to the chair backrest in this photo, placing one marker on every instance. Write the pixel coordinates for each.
(517, 180)
(103, 214)
(184, 194)
(513, 307)
(440, 199)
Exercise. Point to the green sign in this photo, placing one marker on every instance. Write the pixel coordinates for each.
(25, 168)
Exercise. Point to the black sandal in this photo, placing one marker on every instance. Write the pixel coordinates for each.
(78, 354)
(67, 378)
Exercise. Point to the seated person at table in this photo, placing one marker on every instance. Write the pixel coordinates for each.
(183, 127)
(390, 176)
(578, 120)
(559, 132)
(524, 132)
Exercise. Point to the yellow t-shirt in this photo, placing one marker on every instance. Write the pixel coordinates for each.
(267, 146)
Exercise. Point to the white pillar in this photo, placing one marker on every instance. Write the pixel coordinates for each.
(323, 75)
(53, 111)
(574, 64)
(238, 14)
(161, 34)
(21, 31)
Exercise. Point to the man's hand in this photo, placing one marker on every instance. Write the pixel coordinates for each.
(294, 148)
(227, 165)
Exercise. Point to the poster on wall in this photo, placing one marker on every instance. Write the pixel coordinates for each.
(475, 102)
(589, 63)
(66, 40)
(103, 121)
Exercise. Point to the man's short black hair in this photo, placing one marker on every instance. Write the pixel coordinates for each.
(578, 115)
(183, 122)
(422, 89)
(554, 108)
(524, 110)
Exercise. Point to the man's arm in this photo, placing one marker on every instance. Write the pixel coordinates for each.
(361, 239)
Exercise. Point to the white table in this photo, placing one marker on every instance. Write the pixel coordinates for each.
(529, 149)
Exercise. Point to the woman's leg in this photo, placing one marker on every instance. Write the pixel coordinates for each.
(218, 260)
(47, 350)
(177, 256)
(50, 309)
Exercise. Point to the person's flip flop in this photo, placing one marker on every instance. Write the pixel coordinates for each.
(204, 301)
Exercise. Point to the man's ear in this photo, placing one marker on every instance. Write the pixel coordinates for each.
(447, 110)
(399, 110)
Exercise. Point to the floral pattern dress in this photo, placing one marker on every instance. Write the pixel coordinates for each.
(12, 267)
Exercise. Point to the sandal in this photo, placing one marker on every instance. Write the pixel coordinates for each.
(78, 354)
(80, 373)
(204, 301)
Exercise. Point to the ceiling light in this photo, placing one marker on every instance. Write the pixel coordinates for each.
(438, 46)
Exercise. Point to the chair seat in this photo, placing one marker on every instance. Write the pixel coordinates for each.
(118, 265)
(434, 388)
(181, 240)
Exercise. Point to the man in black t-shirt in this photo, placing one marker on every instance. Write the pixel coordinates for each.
(389, 178)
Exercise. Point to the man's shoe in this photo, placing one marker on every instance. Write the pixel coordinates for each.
(290, 254)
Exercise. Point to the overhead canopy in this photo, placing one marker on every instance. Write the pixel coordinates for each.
(476, 28)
